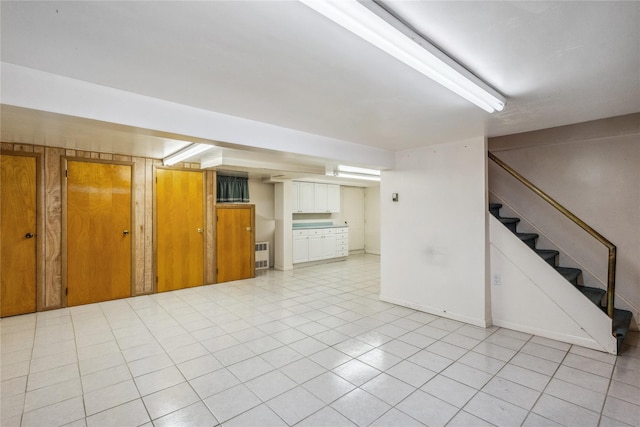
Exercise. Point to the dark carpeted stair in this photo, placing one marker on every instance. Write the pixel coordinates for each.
(621, 318)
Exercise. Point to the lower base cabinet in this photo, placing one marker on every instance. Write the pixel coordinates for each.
(316, 244)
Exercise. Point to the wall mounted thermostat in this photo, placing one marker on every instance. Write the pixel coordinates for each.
(394, 197)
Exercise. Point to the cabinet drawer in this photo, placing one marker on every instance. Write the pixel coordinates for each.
(297, 233)
(315, 232)
(342, 230)
(327, 231)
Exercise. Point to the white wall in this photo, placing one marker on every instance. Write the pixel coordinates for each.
(528, 295)
(352, 210)
(592, 169)
(372, 220)
(262, 196)
(434, 240)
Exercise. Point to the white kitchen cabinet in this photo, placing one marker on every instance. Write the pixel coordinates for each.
(316, 248)
(300, 246)
(333, 198)
(306, 194)
(342, 241)
(320, 193)
(295, 197)
(328, 243)
(310, 197)
(316, 244)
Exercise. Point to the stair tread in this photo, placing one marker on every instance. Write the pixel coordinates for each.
(594, 294)
(547, 252)
(621, 321)
(569, 272)
(508, 220)
(495, 205)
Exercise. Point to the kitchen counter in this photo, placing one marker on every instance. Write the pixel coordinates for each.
(299, 226)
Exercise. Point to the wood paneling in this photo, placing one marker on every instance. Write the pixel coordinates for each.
(53, 228)
(140, 228)
(99, 232)
(50, 289)
(18, 231)
(210, 245)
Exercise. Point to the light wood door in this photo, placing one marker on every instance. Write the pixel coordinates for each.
(99, 230)
(18, 235)
(235, 242)
(179, 229)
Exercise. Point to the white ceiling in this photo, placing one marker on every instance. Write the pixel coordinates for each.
(279, 62)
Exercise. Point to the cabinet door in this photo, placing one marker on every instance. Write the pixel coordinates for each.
(315, 248)
(300, 249)
(333, 198)
(329, 246)
(307, 202)
(295, 197)
(321, 198)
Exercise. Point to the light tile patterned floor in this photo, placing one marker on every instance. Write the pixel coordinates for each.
(311, 347)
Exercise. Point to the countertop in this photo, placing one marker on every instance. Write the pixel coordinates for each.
(317, 225)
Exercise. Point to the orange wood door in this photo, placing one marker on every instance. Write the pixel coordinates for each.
(235, 242)
(18, 235)
(98, 232)
(179, 229)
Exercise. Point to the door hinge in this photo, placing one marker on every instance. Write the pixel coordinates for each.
(66, 173)
(66, 291)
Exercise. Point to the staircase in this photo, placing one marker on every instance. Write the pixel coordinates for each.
(621, 318)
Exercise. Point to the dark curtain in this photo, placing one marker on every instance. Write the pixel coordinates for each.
(232, 189)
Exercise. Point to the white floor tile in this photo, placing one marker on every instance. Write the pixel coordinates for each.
(360, 407)
(388, 389)
(132, 414)
(313, 346)
(305, 405)
(450, 391)
(169, 400)
(496, 411)
(193, 415)
(427, 409)
(55, 415)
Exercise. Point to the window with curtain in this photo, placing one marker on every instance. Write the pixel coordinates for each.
(232, 189)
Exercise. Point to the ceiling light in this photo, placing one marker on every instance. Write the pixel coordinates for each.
(355, 169)
(374, 24)
(185, 153)
(356, 176)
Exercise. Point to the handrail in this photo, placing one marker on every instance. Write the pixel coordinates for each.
(611, 276)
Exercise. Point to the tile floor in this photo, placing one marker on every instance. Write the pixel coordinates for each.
(312, 347)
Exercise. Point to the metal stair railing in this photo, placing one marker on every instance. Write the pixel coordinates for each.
(611, 276)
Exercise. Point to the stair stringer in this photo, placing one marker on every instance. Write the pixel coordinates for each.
(534, 298)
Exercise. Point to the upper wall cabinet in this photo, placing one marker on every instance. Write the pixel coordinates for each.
(310, 197)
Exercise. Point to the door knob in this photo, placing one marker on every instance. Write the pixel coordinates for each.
(248, 228)
(125, 233)
(200, 230)
(28, 236)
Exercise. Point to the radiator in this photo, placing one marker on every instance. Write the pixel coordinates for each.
(262, 255)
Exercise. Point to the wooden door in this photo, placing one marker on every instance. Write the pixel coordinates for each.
(235, 242)
(98, 237)
(18, 235)
(179, 229)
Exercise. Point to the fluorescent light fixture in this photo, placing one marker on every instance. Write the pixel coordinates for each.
(374, 24)
(356, 176)
(355, 169)
(185, 153)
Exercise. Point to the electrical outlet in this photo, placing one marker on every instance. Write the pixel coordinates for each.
(497, 280)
